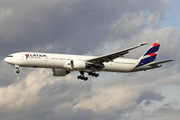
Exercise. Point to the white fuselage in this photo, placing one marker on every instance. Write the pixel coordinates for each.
(57, 61)
(62, 64)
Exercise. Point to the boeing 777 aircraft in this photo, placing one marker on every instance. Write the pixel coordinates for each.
(63, 64)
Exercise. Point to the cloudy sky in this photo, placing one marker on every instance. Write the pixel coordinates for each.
(89, 27)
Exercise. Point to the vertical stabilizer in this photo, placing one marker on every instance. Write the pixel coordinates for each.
(150, 55)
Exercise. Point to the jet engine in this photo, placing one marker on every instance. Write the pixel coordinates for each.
(60, 72)
(78, 64)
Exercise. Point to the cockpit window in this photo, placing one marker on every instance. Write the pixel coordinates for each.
(10, 56)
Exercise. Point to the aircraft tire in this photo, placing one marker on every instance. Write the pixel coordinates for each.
(18, 71)
(79, 77)
(97, 75)
(90, 73)
(85, 78)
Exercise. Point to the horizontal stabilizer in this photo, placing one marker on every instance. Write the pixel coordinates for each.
(157, 63)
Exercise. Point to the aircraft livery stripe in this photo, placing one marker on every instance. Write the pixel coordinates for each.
(152, 50)
(149, 59)
(146, 60)
(152, 54)
(155, 44)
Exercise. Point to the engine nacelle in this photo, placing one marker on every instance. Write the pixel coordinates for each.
(78, 64)
(59, 72)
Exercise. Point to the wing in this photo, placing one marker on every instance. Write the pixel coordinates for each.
(158, 63)
(112, 56)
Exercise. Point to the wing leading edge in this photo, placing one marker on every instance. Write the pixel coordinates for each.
(112, 56)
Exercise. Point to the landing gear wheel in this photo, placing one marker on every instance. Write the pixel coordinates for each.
(93, 74)
(18, 71)
(89, 73)
(82, 77)
(79, 77)
(86, 78)
(97, 75)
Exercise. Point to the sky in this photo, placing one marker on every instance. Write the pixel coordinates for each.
(90, 27)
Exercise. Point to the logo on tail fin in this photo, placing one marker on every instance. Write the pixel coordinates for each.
(150, 55)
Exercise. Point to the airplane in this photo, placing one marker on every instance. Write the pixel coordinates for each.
(63, 64)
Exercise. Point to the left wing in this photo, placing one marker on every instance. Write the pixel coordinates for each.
(112, 56)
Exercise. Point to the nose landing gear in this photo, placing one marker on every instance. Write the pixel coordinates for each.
(17, 67)
(18, 71)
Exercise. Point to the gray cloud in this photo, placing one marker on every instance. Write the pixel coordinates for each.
(40, 96)
(75, 24)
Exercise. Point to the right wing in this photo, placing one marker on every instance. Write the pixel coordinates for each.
(112, 56)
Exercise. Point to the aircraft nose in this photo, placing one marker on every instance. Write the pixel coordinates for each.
(7, 60)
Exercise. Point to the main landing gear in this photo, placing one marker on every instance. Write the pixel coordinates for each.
(17, 67)
(82, 77)
(93, 74)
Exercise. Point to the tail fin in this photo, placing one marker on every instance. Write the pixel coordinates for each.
(150, 55)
